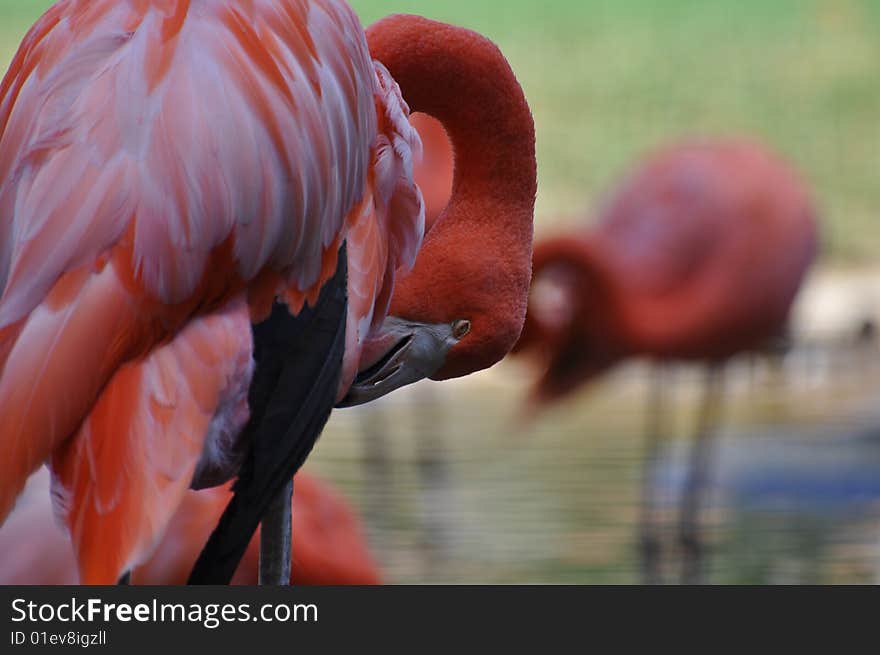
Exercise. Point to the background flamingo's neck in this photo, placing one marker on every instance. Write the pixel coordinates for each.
(595, 299)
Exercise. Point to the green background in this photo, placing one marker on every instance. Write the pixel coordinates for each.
(608, 80)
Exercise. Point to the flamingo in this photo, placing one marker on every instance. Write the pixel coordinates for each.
(204, 210)
(330, 546)
(698, 256)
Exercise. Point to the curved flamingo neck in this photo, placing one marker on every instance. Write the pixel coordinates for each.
(478, 255)
(598, 313)
(463, 80)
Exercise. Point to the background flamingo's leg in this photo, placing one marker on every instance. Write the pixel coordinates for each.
(697, 481)
(435, 476)
(650, 545)
(378, 476)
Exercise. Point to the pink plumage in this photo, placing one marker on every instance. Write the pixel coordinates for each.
(165, 171)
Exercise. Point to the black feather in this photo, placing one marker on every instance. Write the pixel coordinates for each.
(298, 367)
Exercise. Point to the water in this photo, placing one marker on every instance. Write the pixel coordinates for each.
(456, 485)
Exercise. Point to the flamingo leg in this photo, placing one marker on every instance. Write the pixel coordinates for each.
(696, 484)
(435, 485)
(294, 387)
(378, 474)
(276, 538)
(650, 547)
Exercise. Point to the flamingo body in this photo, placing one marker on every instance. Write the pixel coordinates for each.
(697, 255)
(329, 544)
(167, 169)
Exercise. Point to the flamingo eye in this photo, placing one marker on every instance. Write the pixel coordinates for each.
(461, 328)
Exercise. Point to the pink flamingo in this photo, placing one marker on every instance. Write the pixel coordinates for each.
(174, 173)
(330, 547)
(697, 256)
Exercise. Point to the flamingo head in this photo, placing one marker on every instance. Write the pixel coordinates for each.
(570, 332)
(462, 306)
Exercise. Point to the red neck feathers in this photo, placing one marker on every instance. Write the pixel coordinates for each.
(475, 263)
(574, 327)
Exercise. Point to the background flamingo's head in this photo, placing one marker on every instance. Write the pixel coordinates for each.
(570, 332)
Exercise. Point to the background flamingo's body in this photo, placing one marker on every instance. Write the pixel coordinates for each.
(698, 255)
(329, 545)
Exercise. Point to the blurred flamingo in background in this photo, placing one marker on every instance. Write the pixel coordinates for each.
(202, 215)
(329, 545)
(697, 256)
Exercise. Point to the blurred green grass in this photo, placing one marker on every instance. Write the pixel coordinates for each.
(608, 79)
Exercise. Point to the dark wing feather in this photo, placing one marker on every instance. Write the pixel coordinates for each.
(298, 367)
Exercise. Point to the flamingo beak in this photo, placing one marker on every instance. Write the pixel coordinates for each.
(403, 352)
